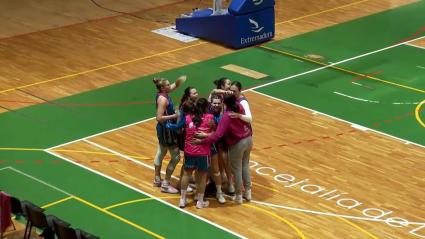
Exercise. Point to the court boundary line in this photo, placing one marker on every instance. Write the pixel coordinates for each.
(145, 193)
(335, 63)
(128, 157)
(339, 119)
(416, 46)
(101, 133)
(348, 71)
(40, 181)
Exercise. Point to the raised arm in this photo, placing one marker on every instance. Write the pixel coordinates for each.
(178, 82)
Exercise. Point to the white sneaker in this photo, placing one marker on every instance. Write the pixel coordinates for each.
(157, 182)
(183, 203)
(231, 189)
(220, 198)
(202, 204)
(238, 199)
(167, 188)
(247, 195)
(189, 189)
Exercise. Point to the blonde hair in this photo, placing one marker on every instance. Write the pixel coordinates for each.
(159, 82)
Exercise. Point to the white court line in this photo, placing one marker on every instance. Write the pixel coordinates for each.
(420, 47)
(259, 86)
(104, 132)
(40, 181)
(336, 63)
(145, 193)
(125, 156)
(8, 167)
(355, 98)
(356, 83)
(336, 118)
(329, 213)
(374, 101)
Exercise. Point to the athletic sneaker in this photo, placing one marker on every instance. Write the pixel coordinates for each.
(189, 189)
(183, 203)
(157, 182)
(220, 198)
(238, 199)
(231, 189)
(202, 204)
(247, 195)
(167, 188)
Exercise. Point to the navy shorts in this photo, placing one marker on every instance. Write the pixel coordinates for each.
(201, 163)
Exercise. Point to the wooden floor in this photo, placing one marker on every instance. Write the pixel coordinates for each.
(82, 52)
(319, 148)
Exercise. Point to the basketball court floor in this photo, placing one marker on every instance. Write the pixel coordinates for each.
(339, 144)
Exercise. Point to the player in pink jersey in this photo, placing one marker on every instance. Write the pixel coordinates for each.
(197, 157)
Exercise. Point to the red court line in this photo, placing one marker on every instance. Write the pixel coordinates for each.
(417, 33)
(92, 20)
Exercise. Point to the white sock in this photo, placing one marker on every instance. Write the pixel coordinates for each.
(200, 197)
(183, 194)
(218, 188)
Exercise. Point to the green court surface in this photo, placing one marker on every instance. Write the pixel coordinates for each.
(386, 105)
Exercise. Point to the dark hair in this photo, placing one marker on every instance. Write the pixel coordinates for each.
(237, 84)
(220, 82)
(187, 107)
(230, 102)
(216, 97)
(201, 108)
(186, 95)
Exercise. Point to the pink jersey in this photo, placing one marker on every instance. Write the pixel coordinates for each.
(206, 126)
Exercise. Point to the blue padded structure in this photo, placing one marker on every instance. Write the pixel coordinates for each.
(244, 24)
(241, 7)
